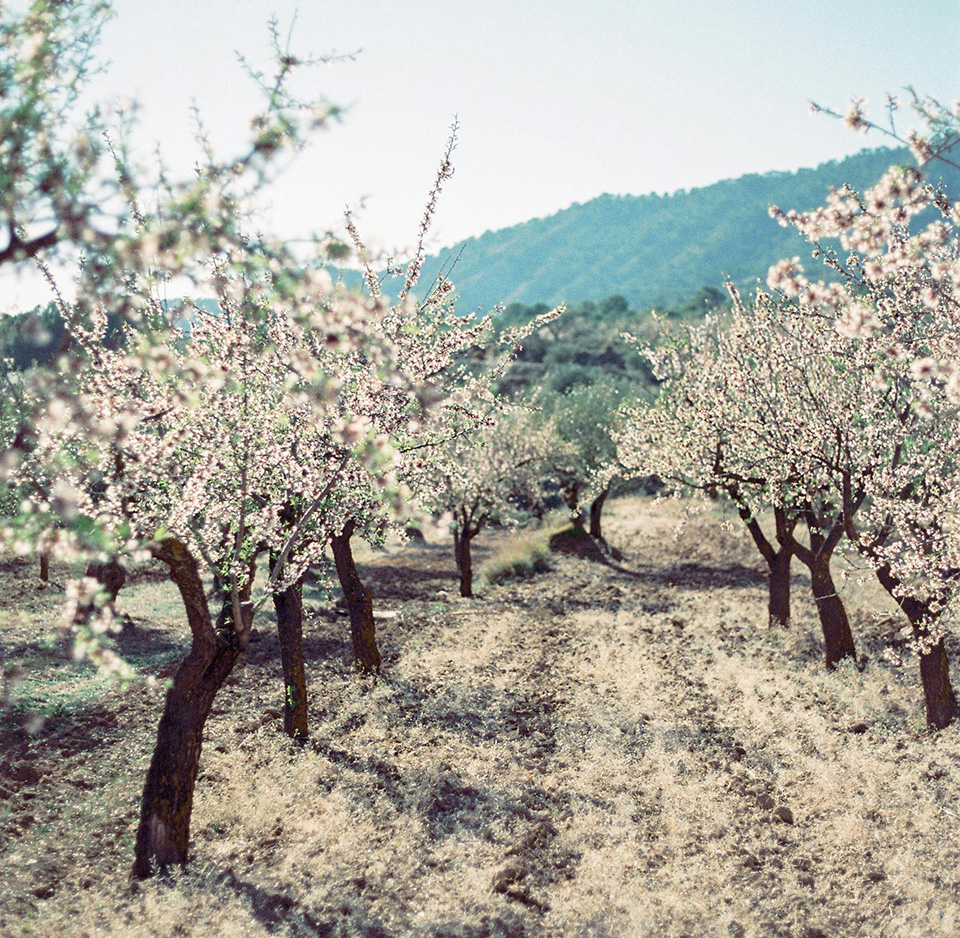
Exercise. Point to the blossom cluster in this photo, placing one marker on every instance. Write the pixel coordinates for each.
(892, 253)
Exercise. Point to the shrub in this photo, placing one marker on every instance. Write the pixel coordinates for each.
(524, 555)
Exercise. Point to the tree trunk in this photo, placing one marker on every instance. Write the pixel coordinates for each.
(778, 559)
(779, 599)
(111, 576)
(938, 695)
(359, 601)
(45, 567)
(596, 510)
(288, 605)
(837, 637)
(824, 537)
(570, 493)
(164, 831)
(461, 547)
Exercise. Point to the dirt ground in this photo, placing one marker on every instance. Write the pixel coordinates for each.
(616, 747)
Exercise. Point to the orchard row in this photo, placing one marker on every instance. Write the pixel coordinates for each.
(273, 411)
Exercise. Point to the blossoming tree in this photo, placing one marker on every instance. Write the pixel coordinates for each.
(498, 474)
(209, 445)
(196, 464)
(54, 188)
(584, 418)
(731, 418)
(894, 297)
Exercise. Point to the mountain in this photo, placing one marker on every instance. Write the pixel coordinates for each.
(655, 250)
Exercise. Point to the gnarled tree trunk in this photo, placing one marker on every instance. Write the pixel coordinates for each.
(45, 567)
(288, 604)
(837, 637)
(778, 604)
(570, 493)
(778, 561)
(110, 575)
(164, 832)
(359, 601)
(938, 695)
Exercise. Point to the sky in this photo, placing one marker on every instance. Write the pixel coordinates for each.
(558, 101)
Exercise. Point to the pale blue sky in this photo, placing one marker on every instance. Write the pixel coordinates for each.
(558, 100)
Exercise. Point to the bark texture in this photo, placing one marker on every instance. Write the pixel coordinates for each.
(461, 548)
(163, 834)
(939, 697)
(778, 606)
(778, 561)
(288, 605)
(837, 636)
(359, 601)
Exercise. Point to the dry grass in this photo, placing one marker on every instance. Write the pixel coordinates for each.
(519, 556)
(609, 749)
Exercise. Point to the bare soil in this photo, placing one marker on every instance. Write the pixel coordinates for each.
(618, 747)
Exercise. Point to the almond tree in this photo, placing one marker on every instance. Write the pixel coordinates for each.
(271, 428)
(193, 465)
(434, 386)
(801, 419)
(498, 474)
(55, 191)
(780, 411)
(694, 435)
(426, 340)
(584, 417)
(894, 297)
(891, 461)
(897, 263)
(190, 448)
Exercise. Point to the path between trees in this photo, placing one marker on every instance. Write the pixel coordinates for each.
(601, 750)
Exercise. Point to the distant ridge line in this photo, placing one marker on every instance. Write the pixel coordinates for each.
(655, 250)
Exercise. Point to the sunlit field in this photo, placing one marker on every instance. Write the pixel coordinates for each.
(616, 746)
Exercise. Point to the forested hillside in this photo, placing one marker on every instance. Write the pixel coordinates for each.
(653, 249)
(589, 343)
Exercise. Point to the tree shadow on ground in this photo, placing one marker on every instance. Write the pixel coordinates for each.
(48, 723)
(32, 745)
(279, 914)
(419, 573)
(692, 576)
(572, 541)
(420, 579)
(145, 646)
(323, 640)
(348, 913)
(576, 542)
(142, 646)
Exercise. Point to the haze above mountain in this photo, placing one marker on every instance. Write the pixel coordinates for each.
(655, 250)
